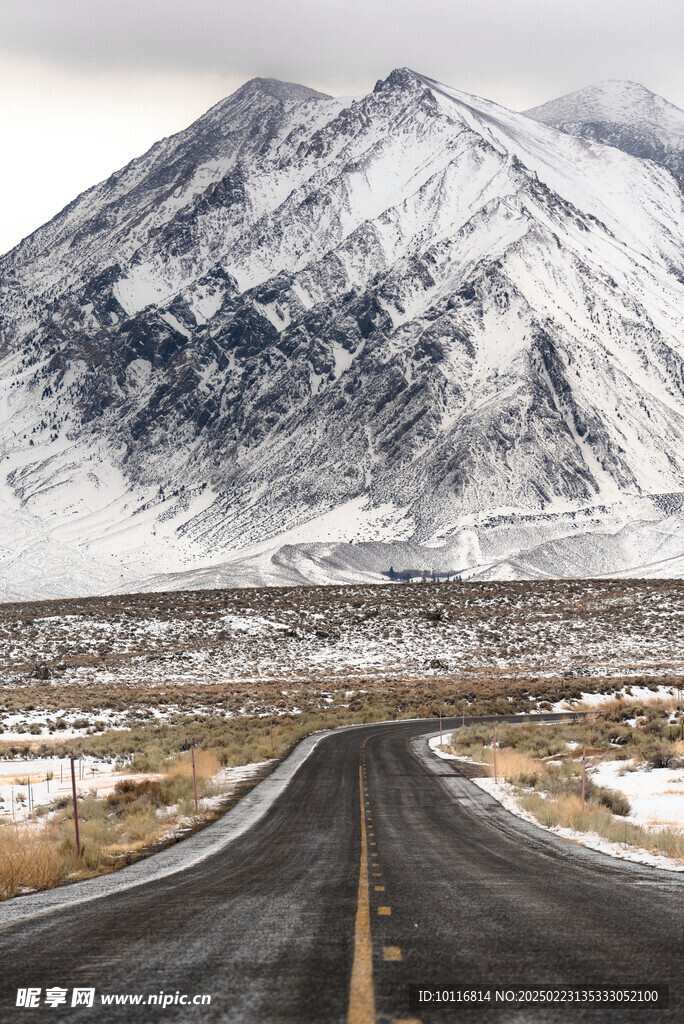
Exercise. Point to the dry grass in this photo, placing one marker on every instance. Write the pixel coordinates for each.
(206, 764)
(30, 859)
(566, 812)
(134, 817)
(513, 765)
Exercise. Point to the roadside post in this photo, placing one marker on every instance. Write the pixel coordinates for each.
(73, 791)
(270, 726)
(463, 718)
(422, 702)
(440, 728)
(584, 775)
(496, 777)
(194, 776)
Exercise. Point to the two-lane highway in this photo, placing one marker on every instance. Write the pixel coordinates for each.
(369, 873)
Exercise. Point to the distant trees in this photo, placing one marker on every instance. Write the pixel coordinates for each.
(425, 575)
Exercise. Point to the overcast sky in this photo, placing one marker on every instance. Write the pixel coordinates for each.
(88, 85)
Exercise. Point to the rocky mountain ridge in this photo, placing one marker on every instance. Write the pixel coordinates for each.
(414, 319)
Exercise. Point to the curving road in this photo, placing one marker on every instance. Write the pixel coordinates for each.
(378, 867)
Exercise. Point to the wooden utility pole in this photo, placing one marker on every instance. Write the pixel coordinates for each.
(496, 777)
(73, 792)
(584, 775)
(194, 776)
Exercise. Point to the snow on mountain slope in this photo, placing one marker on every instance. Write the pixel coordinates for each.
(416, 317)
(621, 114)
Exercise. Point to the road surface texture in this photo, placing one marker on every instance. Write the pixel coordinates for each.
(377, 868)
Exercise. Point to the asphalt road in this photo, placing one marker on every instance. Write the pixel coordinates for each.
(369, 874)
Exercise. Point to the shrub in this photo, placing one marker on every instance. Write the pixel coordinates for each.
(660, 757)
(614, 800)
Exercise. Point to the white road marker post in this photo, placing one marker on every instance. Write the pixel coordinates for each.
(440, 728)
(194, 775)
(496, 777)
(73, 791)
(584, 775)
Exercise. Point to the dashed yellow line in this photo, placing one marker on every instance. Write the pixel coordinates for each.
(361, 991)
(361, 988)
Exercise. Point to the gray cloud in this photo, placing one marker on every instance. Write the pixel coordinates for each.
(515, 51)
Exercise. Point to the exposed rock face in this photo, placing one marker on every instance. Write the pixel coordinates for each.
(418, 318)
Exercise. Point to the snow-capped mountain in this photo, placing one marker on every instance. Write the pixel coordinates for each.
(621, 114)
(415, 321)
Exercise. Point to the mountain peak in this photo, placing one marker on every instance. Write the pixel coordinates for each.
(622, 114)
(284, 92)
(400, 78)
(616, 100)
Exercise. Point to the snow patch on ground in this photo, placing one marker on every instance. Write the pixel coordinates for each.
(656, 795)
(628, 694)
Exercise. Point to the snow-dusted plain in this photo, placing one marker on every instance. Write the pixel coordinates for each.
(307, 339)
(67, 667)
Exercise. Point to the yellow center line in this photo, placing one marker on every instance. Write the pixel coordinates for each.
(361, 991)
